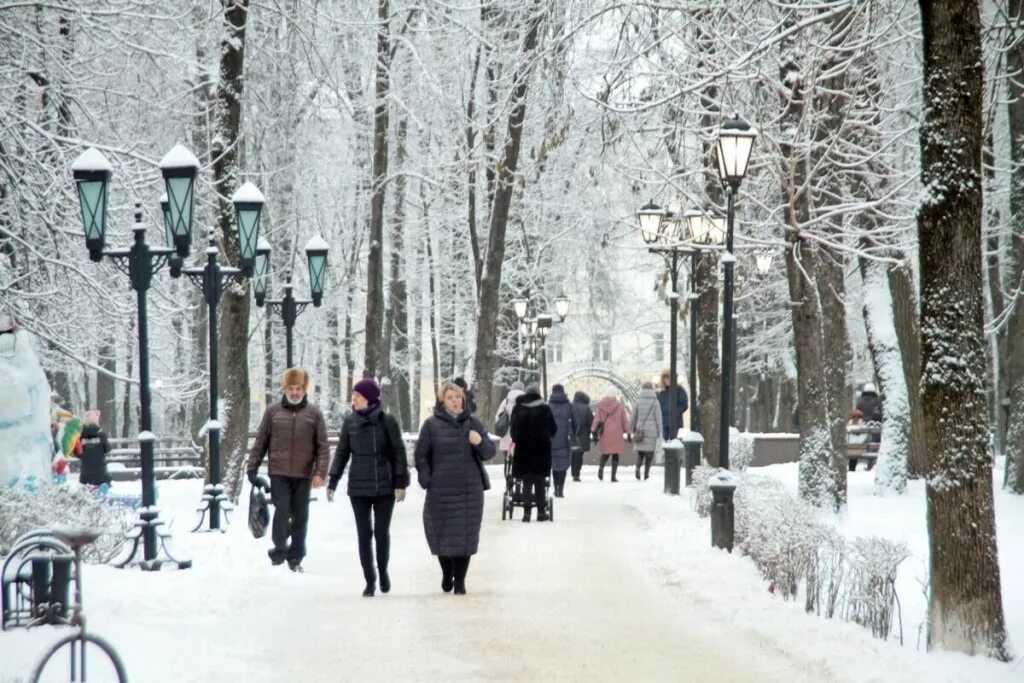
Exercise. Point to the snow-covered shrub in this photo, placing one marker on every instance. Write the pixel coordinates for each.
(22, 511)
(741, 450)
(700, 493)
(871, 595)
(826, 573)
(777, 531)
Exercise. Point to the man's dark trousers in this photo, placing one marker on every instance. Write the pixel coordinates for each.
(290, 496)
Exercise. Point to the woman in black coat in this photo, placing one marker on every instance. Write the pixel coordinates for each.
(379, 475)
(582, 417)
(95, 448)
(449, 464)
(532, 427)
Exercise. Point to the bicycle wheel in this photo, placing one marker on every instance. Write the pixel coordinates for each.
(83, 662)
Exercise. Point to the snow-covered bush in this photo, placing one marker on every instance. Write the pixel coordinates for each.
(22, 511)
(776, 531)
(741, 450)
(700, 493)
(871, 596)
(826, 573)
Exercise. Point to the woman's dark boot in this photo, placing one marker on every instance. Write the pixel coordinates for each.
(615, 466)
(461, 566)
(371, 582)
(447, 574)
(600, 469)
(385, 581)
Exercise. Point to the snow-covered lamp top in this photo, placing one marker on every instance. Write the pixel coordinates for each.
(179, 157)
(316, 255)
(248, 193)
(248, 201)
(91, 160)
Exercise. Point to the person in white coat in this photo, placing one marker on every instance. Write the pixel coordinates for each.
(505, 408)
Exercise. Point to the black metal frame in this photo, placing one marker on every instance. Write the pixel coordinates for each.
(141, 262)
(211, 280)
(290, 309)
(673, 263)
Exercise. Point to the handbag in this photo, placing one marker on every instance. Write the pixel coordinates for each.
(259, 510)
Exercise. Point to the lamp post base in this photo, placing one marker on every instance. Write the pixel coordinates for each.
(149, 522)
(214, 501)
(723, 515)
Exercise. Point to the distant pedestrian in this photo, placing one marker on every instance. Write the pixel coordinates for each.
(372, 440)
(450, 451)
(504, 414)
(646, 428)
(95, 448)
(611, 422)
(682, 404)
(869, 403)
(533, 427)
(470, 397)
(582, 417)
(293, 437)
(565, 436)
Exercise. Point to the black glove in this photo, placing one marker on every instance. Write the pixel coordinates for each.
(254, 478)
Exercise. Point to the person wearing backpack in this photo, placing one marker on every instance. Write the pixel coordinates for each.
(503, 418)
(95, 448)
(646, 428)
(372, 440)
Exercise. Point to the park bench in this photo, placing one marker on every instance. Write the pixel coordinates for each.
(172, 459)
(867, 451)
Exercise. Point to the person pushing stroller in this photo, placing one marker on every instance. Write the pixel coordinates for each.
(532, 428)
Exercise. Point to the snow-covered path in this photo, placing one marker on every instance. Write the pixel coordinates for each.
(623, 586)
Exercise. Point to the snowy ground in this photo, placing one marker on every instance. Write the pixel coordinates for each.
(624, 585)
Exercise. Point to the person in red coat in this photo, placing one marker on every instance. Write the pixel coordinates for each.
(611, 423)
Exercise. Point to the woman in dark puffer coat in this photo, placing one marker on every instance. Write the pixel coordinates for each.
(561, 443)
(372, 440)
(449, 464)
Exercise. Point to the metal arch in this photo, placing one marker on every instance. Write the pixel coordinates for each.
(630, 389)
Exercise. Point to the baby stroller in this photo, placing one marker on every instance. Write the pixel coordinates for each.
(513, 496)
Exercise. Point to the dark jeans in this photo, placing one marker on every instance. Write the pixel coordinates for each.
(290, 496)
(373, 529)
(533, 493)
(577, 463)
(559, 479)
(644, 458)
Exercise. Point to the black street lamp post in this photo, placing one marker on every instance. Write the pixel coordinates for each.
(140, 262)
(660, 225)
(735, 140)
(290, 307)
(535, 330)
(694, 310)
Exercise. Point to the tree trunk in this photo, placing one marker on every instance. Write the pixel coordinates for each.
(396, 343)
(709, 368)
(105, 390)
(907, 320)
(965, 610)
(234, 322)
(489, 306)
(374, 329)
(1015, 324)
(891, 469)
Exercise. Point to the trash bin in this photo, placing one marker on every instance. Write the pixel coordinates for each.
(673, 455)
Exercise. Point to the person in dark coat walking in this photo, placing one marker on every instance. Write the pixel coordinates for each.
(292, 436)
(94, 451)
(870, 406)
(533, 426)
(582, 417)
(561, 443)
(450, 451)
(372, 440)
(682, 404)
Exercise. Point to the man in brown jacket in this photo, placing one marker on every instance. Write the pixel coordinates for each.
(293, 437)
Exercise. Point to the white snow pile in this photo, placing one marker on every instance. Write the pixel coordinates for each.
(23, 511)
(801, 556)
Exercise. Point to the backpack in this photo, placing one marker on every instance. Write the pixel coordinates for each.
(502, 424)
